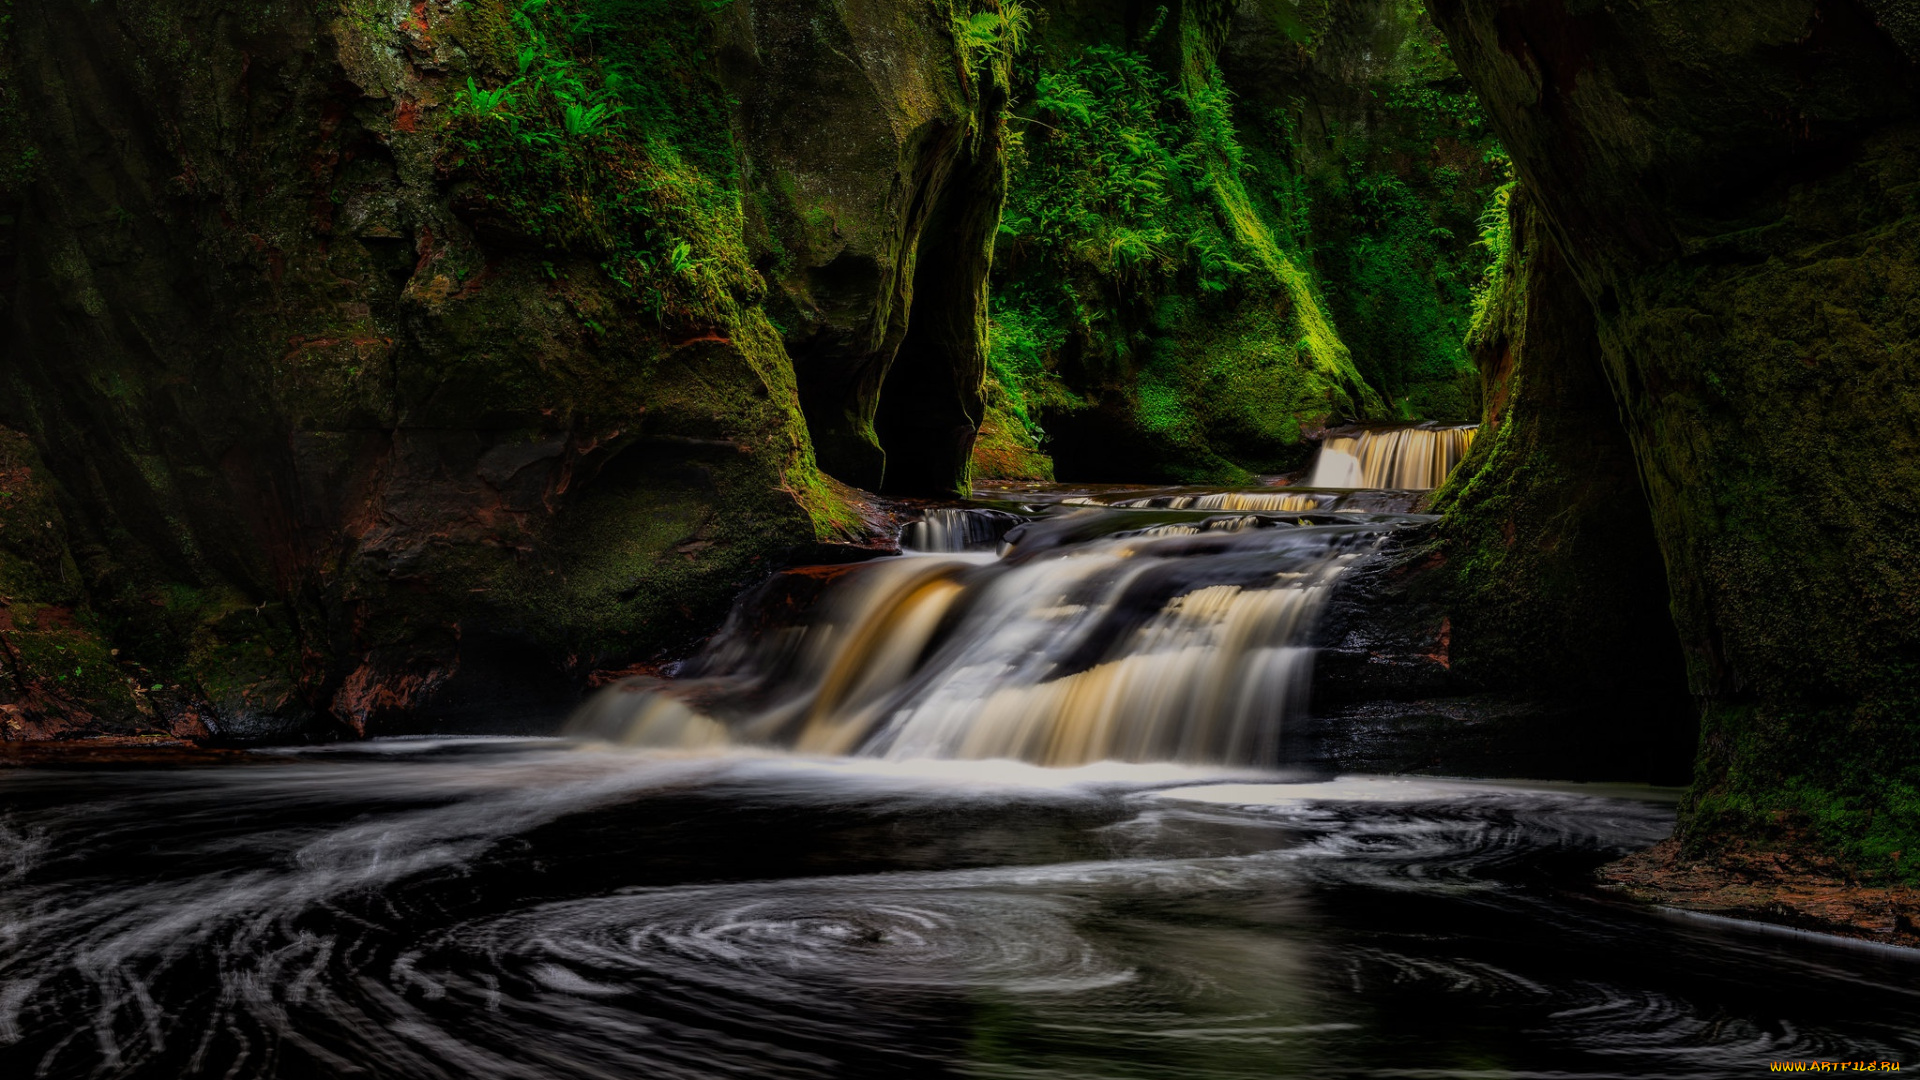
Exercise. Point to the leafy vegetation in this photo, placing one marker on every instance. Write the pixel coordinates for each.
(1128, 236)
(1153, 208)
(597, 139)
(1110, 179)
(986, 35)
(1393, 182)
(1496, 240)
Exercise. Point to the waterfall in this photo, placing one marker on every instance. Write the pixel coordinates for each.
(1171, 625)
(948, 530)
(1279, 501)
(1408, 458)
(1137, 633)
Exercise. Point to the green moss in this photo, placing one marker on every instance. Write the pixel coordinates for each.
(1783, 466)
(601, 132)
(1137, 278)
(651, 556)
(241, 657)
(1755, 790)
(55, 661)
(1004, 449)
(1395, 183)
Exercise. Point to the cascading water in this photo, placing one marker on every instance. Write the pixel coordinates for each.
(1170, 626)
(951, 529)
(546, 910)
(1407, 458)
(1279, 501)
(1100, 634)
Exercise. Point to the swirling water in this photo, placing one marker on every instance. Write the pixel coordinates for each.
(538, 908)
(733, 908)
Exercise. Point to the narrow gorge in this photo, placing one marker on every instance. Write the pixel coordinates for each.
(972, 464)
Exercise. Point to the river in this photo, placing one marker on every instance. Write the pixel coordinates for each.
(1016, 805)
(539, 908)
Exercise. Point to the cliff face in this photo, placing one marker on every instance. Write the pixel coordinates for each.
(1556, 578)
(374, 363)
(872, 152)
(1363, 127)
(1731, 188)
(367, 359)
(1527, 632)
(1153, 311)
(1229, 224)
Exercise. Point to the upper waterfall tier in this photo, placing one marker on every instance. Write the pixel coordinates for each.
(1407, 458)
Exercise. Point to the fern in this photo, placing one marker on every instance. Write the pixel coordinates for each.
(495, 104)
(998, 33)
(581, 119)
(614, 147)
(680, 260)
(1496, 238)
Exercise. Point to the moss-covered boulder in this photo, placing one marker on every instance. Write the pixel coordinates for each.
(1732, 188)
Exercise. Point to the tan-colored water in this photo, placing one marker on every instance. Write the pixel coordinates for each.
(1169, 625)
(1410, 458)
(1174, 640)
(1281, 501)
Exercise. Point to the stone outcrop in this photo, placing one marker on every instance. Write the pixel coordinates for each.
(875, 159)
(1731, 186)
(378, 381)
(1527, 633)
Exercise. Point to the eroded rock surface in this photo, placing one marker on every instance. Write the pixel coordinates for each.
(375, 376)
(1731, 186)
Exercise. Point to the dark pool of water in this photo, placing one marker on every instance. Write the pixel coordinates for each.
(529, 909)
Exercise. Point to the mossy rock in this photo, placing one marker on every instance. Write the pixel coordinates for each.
(1757, 305)
(58, 674)
(385, 401)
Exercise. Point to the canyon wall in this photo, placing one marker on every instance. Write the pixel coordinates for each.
(1731, 187)
(372, 363)
(1229, 225)
(375, 365)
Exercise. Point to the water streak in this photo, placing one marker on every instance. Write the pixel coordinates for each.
(1101, 634)
(1408, 458)
(946, 530)
(544, 912)
(1280, 501)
